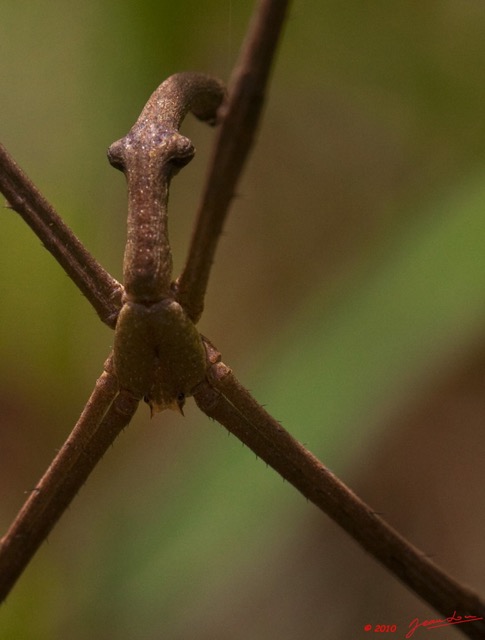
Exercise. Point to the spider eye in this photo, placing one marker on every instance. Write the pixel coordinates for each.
(181, 152)
(115, 156)
(178, 162)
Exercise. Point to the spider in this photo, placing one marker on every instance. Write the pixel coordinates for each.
(159, 356)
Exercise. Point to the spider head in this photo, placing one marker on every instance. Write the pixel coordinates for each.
(158, 151)
(175, 405)
(158, 354)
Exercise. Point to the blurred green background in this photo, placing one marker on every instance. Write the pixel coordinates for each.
(348, 294)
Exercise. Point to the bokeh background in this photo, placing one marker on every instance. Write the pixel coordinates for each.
(348, 294)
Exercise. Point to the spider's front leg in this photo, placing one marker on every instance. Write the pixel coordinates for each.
(158, 352)
(107, 412)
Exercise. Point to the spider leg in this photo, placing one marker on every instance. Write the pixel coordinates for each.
(107, 412)
(240, 116)
(224, 399)
(100, 288)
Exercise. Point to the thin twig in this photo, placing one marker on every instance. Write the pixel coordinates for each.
(99, 287)
(240, 117)
(224, 399)
(106, 414)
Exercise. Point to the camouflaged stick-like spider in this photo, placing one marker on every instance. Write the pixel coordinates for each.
(158, 353)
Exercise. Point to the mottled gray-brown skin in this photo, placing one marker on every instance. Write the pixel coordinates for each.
(158, 352)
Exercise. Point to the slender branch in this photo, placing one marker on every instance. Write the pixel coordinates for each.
(99, 287)
(240, 117)
(224, 399)
(107, 412)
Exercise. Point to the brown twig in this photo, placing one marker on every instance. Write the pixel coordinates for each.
(240, 116)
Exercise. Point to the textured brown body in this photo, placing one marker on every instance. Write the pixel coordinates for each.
(163, 335)
(152, 327)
